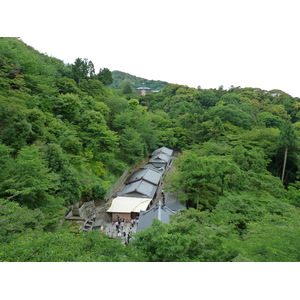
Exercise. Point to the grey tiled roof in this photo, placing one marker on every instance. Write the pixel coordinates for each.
(164, 150)
(147, 174)
(146, 217)
(140, 188)
(160, 158)
(160, 169)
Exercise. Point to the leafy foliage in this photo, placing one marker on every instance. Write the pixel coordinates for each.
(120, 79)
(64, 246)
(243, 227)
(105, 76)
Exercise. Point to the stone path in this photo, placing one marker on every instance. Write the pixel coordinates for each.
(110, 229)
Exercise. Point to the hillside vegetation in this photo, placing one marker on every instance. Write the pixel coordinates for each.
(65, 137)
(121, 80)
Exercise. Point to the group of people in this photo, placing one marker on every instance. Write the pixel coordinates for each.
(134, 221)
(120, 223)
(121, 233)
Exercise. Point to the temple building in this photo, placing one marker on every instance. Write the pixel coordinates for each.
(143, 90)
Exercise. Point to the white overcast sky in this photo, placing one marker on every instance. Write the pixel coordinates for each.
(196, 43)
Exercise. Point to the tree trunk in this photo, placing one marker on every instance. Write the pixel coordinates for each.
(284, 164)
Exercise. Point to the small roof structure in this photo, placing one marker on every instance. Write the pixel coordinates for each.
(150, 175)
(140, 188)
(162, 213)
(161, 169)
(160, 159)
(143, 88)
(129, 204)
(163, 150)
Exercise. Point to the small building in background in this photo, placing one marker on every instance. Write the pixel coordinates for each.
(143, 90)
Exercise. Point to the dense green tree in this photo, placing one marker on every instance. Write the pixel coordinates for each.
(99, 191)
(63, 246)
(214, 129)
(105, 76)
(55, 157)
(232, 114)
(204, 179)
(37, 119)
(287, 140)
(230, 98)
(132, 145)
(67, 106)
(273, 239)
(187, 238)
(6, 162)
(116, 106)
(264, 138)
(70, 141)
(242, 227)
(207, 98)
(92, 87)
(82, 69)
(241, 208)
(30, 61)
(10, 77)
(293, 192)
(41, 85)
(127, 89)
(67, 85)
(270, 120)
(250, 159)
(95, 133)
(16, 219)
(30, 182)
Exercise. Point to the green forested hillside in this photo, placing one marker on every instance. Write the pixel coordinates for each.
(65, 137)
(121, 79)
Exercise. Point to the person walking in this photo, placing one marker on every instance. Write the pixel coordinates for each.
(122, 224)
(128, 238)
(117, 225)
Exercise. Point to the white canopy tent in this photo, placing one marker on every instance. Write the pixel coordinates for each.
(124, 206)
